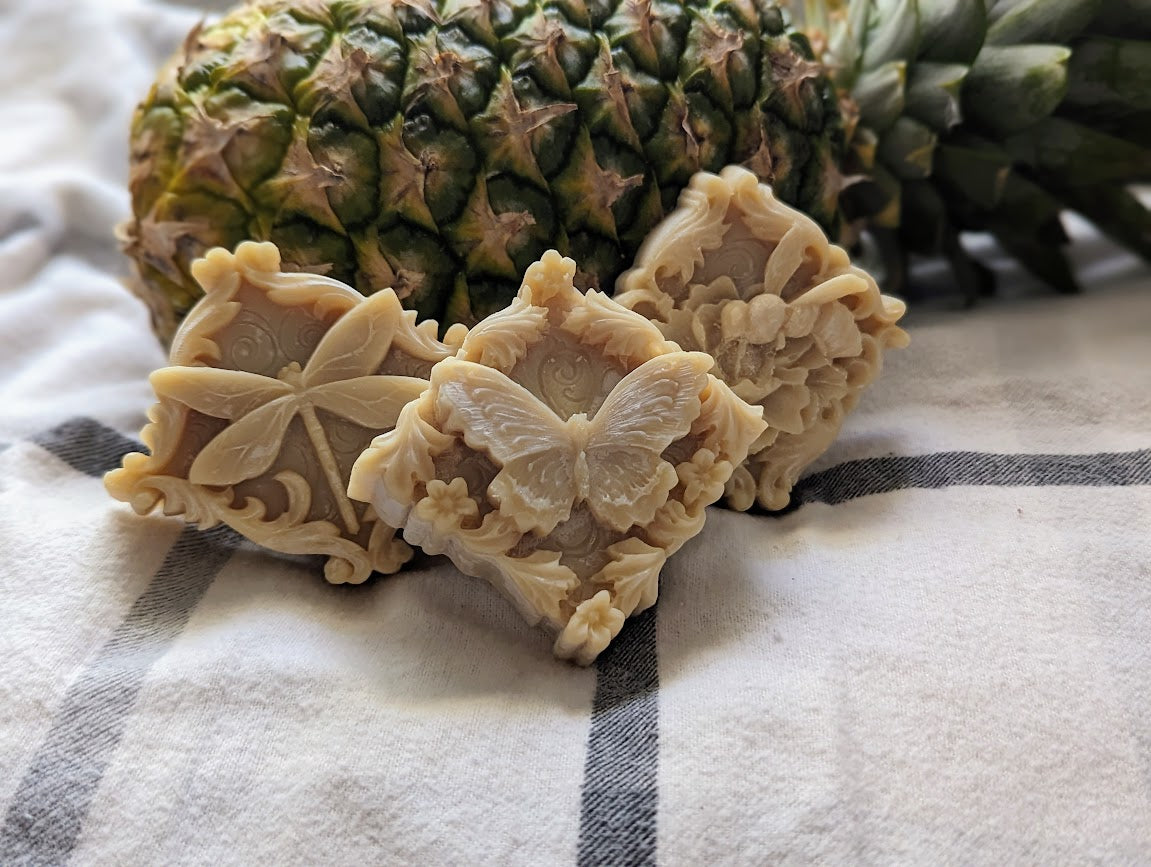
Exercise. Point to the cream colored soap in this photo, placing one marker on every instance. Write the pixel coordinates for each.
(792, 325)
(563, 454)
(277, 383)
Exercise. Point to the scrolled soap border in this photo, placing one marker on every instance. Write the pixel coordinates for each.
(140, 481)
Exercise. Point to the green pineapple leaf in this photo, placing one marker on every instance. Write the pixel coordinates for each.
(1010, 89)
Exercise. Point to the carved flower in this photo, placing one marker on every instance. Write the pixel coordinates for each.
(703, 477)
(591, 628)
(447, 505)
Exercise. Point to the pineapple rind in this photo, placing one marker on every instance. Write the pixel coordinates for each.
(438, 147)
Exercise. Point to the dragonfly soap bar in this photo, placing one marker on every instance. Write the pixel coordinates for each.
(277, 383)
(563, 454)
(792, 325)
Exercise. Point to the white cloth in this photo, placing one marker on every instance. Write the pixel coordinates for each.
(943, 656)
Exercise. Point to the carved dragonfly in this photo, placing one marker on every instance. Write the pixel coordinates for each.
(339, 378)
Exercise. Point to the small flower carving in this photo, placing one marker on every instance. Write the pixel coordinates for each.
(703, 477)
(447, 505)
(591, 628)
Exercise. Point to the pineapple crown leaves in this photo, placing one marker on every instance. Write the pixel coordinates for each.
(993, 115)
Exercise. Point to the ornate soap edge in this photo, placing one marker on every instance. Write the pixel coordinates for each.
(701, 211)
(137, 481)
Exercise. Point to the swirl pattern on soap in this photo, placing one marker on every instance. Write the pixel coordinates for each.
(250, 344)
(566, 380)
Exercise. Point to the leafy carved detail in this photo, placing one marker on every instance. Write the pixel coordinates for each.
(633, 575)
(505, 337)
(601, 322)
(402, 462)
(540, 583)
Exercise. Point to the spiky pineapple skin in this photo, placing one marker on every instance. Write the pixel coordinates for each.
(438, 147)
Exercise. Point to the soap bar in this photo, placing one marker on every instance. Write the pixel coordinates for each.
(563, 454)
(277, 383)
(792, 325)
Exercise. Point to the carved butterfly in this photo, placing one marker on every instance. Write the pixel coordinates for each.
(612, 461)
(338, 379)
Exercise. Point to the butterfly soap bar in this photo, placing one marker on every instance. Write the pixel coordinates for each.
(277, 383)
(563, 454)
(792, 325)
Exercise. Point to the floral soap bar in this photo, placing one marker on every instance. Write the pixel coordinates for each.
(792, 325)
(277, 383)
(564, 453)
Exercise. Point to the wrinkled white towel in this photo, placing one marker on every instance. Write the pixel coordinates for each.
(943, 655)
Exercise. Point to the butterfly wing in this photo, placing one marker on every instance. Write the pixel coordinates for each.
(536, 491)
(536, 484)
(652, 407)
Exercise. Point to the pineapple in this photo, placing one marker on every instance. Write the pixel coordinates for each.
(992, 117)
(438, 147)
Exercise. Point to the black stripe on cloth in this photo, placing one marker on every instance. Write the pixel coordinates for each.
(619, 800)
(86, 445)
(620, 795)
(46, 813)
(861, 478)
